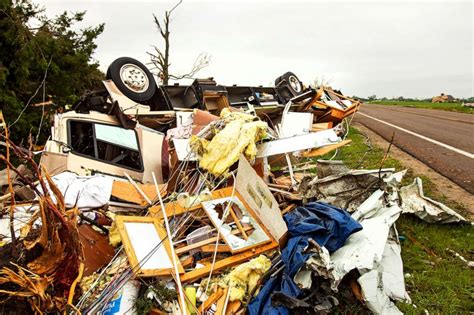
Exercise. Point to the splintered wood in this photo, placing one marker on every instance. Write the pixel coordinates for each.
(125, 191)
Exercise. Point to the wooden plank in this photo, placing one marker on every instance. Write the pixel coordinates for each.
(222, 302)
(237, 222)
(126, 192)
(211, 300)
(221, 248)
(233, 307)
(228, 262)
(172, 209)
(187, 262)
(288, 209)
(326, 149)
(321, 126)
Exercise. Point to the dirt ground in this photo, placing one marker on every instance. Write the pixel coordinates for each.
(442, 184)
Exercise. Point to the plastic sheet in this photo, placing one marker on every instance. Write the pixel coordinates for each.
(327, 225)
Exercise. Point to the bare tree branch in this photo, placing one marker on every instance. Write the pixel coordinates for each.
(201, 62)
(158, 25)
(160, 58)
(176, 5)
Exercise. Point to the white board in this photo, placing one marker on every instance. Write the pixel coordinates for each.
(257, 195)
(144, 239)
(298, 143)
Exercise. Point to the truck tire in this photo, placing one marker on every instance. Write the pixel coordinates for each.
(132, 78)
(292, 81)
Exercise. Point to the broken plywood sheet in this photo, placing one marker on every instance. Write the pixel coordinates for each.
(97, 250)
(321, 126)
(325, 149)
(125, 191)
(257, 195)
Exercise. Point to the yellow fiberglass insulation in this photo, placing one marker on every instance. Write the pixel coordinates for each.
(238, 136)
(243, 279)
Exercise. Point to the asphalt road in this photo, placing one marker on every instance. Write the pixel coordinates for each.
(442, 140)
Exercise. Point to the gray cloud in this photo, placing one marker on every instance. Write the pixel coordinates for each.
(386, 48)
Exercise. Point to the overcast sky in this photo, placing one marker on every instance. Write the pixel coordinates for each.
(413, 49)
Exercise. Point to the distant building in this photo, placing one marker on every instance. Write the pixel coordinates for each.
(443, 98)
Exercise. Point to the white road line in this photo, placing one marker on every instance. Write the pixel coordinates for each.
(444, 145)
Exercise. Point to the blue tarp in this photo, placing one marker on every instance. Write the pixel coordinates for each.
(327, 225)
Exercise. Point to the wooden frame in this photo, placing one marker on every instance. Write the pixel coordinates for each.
(121, 222)
(173, 208)
(243, 234)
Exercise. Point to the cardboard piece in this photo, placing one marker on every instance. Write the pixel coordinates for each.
(183, 151)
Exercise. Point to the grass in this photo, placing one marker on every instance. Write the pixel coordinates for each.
(453, 107)
(436, 279)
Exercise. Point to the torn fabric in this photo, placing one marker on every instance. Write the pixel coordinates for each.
(83, 192)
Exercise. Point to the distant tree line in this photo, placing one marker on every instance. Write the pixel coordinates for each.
(404, 99)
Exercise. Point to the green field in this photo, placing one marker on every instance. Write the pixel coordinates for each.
(453, 107)
(436, 280)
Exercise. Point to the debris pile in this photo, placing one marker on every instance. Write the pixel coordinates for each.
(202, 199)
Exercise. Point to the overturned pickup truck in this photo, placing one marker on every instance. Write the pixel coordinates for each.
(121, 129)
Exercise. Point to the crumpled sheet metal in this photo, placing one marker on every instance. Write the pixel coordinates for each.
(244, 278)
(376, 215)
(375, 251)
(365, 248)
(238, 136)
(346, 190)
(385, 283)
(321, 264)
(427, 209)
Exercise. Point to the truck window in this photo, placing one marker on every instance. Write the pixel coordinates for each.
(107, 143)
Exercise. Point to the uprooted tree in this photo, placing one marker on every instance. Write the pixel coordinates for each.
(42, 56)
(160, 58)
(41, 269)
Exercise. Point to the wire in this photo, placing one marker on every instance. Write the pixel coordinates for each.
(33, 96)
